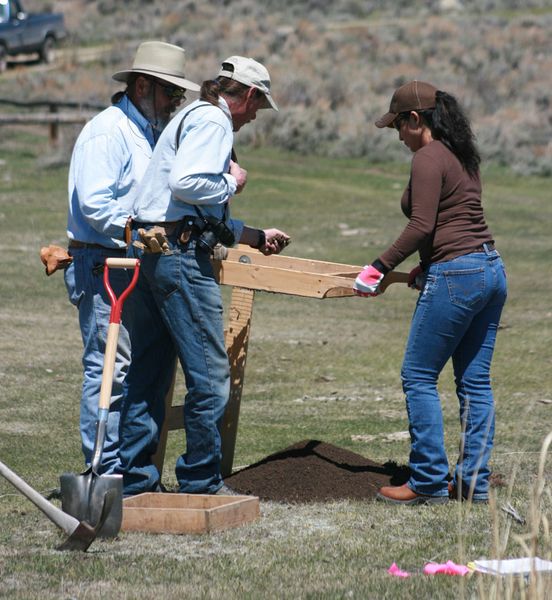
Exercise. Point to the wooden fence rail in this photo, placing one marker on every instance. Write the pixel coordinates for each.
(83, 111)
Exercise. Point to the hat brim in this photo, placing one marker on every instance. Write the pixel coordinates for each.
(269, 102)
(386, 120)
(178, 81)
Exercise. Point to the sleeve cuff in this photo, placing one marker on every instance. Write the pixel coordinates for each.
(237, 228)
(232, 184)
(377, 264)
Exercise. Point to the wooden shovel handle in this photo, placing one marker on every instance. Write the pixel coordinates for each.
(109, 366)
(114, 325)
(122, 263)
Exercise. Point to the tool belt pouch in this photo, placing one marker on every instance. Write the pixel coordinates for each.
(54, 258)
(153, 241)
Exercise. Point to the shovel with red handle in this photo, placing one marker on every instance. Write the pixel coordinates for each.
(82, 494)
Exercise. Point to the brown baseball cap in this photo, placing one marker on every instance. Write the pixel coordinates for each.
(414, 95)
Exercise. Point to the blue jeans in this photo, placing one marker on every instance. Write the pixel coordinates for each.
(179, 312)
(86, 290)
(457, 315)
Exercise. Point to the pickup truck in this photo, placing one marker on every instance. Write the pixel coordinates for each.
(25, 33)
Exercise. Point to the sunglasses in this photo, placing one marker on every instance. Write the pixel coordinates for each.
(400, 119)
(172, 92)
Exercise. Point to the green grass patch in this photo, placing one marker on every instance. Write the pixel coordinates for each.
(325, 370)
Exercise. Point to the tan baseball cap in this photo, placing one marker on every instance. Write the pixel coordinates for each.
(250, 73)
(160, 60)
(414, 95)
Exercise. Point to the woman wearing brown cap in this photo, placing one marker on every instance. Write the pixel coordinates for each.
(462, 286)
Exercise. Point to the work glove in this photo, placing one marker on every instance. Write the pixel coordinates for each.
(152, 241)
(416, 278)
(220, 252)
(54, 258)
(367, 281)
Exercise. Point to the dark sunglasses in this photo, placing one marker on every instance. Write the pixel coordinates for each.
(172, 92)
(400, 119)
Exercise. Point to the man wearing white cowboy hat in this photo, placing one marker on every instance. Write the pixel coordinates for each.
(109, 159)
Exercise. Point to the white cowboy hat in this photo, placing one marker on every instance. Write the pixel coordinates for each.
(160, 60)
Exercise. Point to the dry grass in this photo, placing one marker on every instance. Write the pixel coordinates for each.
(334, 65)
(313, 372)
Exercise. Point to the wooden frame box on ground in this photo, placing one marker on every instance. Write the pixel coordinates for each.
(187, 513)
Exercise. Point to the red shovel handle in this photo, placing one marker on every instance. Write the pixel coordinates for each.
(117, 303)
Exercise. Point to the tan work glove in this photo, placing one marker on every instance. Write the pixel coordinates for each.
(54, 258)
(220, 252)
(152, 241)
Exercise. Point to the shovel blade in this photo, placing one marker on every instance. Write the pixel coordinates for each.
(83, 496)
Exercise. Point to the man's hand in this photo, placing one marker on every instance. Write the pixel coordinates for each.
(239, 174)
(367, 282)
(275, 241)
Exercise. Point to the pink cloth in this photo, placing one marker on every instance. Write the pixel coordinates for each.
(396, 572)
(448, 568)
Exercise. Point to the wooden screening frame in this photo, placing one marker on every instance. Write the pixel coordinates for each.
(248, 271)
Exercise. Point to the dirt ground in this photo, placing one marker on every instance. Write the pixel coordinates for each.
(313, 471)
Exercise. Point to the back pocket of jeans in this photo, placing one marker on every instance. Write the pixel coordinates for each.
(466, 286)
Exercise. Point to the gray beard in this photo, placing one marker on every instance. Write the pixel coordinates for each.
(157, 121)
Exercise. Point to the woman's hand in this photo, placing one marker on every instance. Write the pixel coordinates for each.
(367, 281)
(416, 278)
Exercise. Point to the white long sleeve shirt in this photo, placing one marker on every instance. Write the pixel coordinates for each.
(109, 159)
(192, 171)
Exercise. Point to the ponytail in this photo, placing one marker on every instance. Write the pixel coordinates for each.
(212, 89)
(449, 125)
(117, 97)
(130, 88)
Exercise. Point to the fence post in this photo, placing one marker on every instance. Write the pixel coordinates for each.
(54, 127)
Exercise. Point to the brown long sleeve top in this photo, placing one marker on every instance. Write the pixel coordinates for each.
(443, 206)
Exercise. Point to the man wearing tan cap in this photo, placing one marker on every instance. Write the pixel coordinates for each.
(109, 159)
(181, 212)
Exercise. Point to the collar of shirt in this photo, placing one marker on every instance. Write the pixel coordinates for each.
(132, 112)
(223, 105)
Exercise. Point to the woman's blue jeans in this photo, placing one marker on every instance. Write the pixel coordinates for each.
(178, 312)
(456, 316)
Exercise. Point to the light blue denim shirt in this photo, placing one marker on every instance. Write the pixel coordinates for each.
(196, 173)
(109, 160)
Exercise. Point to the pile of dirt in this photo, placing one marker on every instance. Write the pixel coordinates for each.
(312, 471)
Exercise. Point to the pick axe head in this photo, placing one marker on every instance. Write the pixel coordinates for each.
(85, 534)
(80, 533)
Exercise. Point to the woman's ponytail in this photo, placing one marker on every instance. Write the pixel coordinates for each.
(450, 125)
